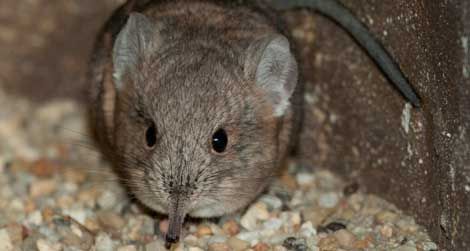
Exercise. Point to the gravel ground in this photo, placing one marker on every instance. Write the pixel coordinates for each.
(57, 194)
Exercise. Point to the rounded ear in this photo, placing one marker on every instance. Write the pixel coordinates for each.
(276, 70)
(134, 41)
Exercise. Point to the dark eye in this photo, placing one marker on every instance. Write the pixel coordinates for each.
(151, 135)
(219, 141)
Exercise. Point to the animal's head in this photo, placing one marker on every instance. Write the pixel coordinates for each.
(196, 128)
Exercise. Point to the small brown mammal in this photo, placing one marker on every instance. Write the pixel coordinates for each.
(196, 102)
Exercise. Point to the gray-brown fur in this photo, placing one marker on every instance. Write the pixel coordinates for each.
(198, 75)
(190, 68)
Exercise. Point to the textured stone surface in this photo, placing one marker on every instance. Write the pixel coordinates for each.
(357, 125)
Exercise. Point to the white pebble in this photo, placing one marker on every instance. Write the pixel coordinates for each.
(191, 249)
(107, 200)
(272, 201)
(273, 224)
(217, 239)
(307, 230)
(305, 179)
(256, 212)
(251, 237)
(428, 246)
(104, 243)
(44, 245)
(35, 218)
(77, 214)
(5, 241)
(328, 200)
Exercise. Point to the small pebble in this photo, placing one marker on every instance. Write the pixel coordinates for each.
(103, 242)
(216, 239)
(231, 227)
(271, 201)
(386, 231)
(111, 221)
(328, 200)
(261, 246)
(5, 241)
(429, 246)
(189, 249)
(127, 248)
(305, 179)
(256, 212)
(107, 200)
(406, 248)
(386, 217)
(218, 247)
(155, 245)
(44, 245)
(42, 187)
(237, 244)
(307, 230)
(203, 230)
(345, 238)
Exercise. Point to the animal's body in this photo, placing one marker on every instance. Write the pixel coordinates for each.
(197, 103)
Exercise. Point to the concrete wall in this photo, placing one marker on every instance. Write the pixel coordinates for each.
(361, 127)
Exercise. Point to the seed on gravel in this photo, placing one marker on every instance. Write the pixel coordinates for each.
(331, 227)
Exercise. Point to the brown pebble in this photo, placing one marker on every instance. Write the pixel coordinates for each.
(261, 246)
(44, 168)
(231, 227)
(16, 233)
(48, 214)
(237, 244)
(203, 230)
(219, 247)
(92, 225)
(42, 187)
(75, 175)
(345, 238)
(386, 231)
(386, 217)
(110, 221)
(29, 206)
(328, 244)
(364, 243)
(289, 181)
